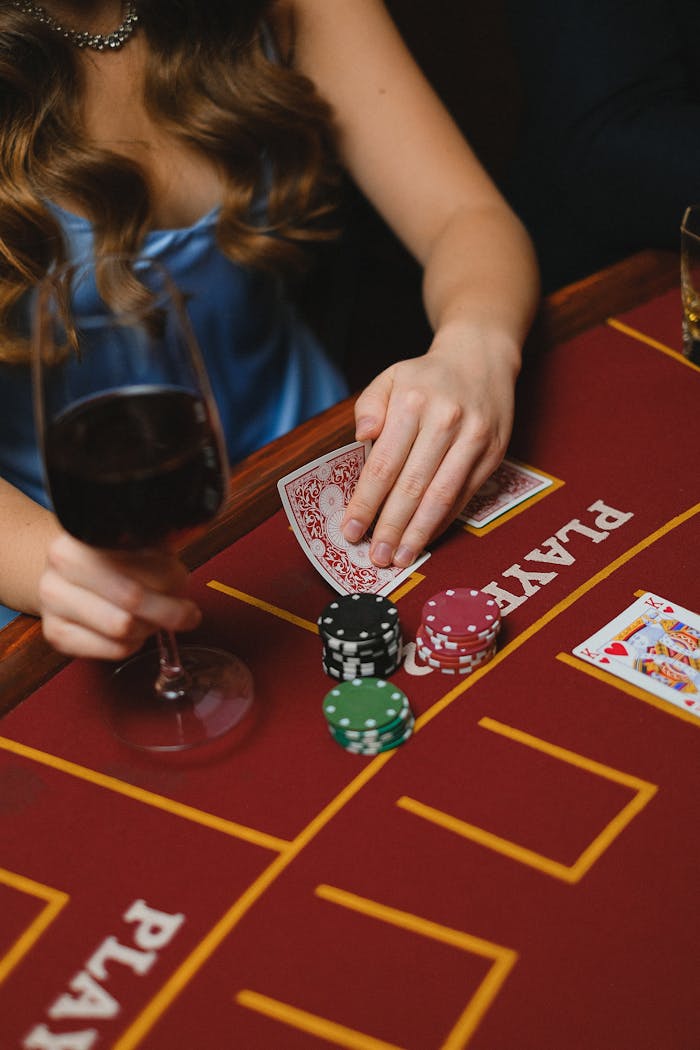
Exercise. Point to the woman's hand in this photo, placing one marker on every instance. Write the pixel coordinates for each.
(105, 604)
(440, 425)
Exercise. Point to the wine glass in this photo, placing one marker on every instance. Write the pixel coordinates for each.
(690, 282)
(134, 459)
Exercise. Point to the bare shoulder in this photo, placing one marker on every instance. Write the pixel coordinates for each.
(396, 138)
(341, 44)
(334, 23)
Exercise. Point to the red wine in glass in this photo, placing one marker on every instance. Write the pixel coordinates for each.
(134, 468)
(134, 459)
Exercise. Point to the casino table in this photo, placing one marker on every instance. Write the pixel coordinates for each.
(521, 874)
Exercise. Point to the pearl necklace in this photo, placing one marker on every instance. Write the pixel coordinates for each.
(96, 41)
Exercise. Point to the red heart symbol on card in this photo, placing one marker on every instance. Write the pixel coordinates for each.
(616, 649)
(604, 660)
(690, 703)
(668, 608)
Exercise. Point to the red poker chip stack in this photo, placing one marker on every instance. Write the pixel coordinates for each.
(458, 630)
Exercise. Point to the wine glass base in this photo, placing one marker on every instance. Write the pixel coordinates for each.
(219, 695)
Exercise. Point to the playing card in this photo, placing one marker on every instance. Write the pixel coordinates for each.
(315, 497)
(654, 644)
(510, 484)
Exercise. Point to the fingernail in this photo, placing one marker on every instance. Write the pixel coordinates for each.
(381, 555)
(403, 557)
(353, 530)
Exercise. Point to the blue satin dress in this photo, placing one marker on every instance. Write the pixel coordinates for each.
(267, 370)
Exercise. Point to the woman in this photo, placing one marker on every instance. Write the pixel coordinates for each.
(219, 116)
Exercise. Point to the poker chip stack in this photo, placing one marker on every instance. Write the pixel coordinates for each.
(368, 715)
(361, 636)
(458, 630)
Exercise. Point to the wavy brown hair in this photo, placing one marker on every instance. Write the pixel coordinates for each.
(211, 81)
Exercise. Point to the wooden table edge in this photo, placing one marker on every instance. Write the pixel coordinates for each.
(26, 660)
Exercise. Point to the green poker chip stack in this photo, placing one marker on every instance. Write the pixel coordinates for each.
(367, 716)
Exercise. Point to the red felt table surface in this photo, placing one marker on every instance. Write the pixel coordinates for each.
(522, 873)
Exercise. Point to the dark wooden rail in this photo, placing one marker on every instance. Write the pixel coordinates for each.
(25, 658)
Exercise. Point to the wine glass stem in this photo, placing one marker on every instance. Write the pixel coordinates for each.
(173, 680)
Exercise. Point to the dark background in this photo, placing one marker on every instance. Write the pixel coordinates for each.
(364, 294)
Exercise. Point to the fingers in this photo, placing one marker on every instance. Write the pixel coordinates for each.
(371, 406)
(109, 639)
(444, 498)
(125, 578)
(380, 474)
(406, 460)
(442, 436)
(105, 605)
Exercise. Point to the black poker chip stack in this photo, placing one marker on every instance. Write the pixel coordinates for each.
(361, 635)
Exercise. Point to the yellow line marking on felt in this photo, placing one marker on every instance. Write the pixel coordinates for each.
(407, 586)
(258, 603)
(171, 989)
(157, 1006)
(55, 901)
(283, 614)
(312, 1024)
(257, 888)
(626, 329)
(571, 873)
(632, 690)
(149, 798)
(503, 958)
(552, 614)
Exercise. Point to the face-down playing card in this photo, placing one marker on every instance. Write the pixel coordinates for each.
(654, 644)
(510, 485)
(314, 498)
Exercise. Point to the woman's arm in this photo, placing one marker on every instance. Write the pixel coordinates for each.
(92, 603)
(440, 423)
(27, 530)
